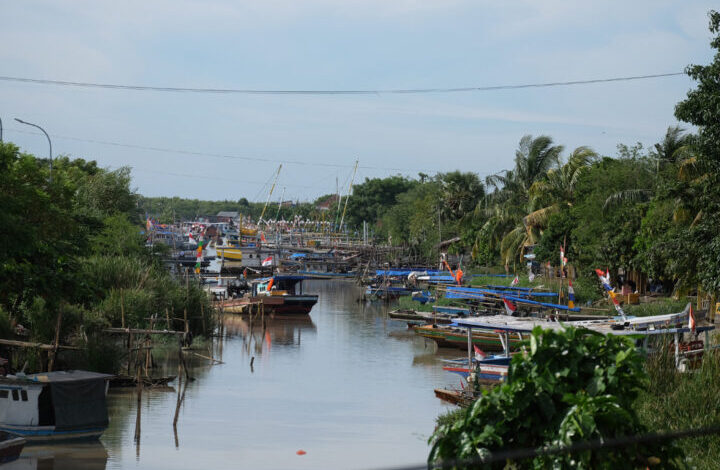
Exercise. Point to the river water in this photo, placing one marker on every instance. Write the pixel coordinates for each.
(348, 386)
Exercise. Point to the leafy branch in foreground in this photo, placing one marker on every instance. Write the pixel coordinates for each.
(567, 387)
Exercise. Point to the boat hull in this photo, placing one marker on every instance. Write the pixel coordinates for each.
(286, 304)
(35, 434)
(450, 338)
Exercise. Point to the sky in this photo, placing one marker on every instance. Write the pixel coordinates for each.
(229, 146)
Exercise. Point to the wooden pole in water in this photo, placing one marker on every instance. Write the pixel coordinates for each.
(139, 405)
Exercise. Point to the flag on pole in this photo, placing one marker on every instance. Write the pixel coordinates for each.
(267, 261)
(479, 353)
(563, 260)
(691, 319)
(604, 278)
(515, 281)
(510, 307)
(616, 304)
(571, 294)
(191, 239)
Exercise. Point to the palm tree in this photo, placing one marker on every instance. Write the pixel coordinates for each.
(557, 189)
(511, 198)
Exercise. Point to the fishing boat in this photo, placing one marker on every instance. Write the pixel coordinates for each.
(10, 447)
(52, 406)
(281, 295)
(424, 317)
(452, 337)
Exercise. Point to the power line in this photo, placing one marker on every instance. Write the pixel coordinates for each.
(209, 154)
(172, 89)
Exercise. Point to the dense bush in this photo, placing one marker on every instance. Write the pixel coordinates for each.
(566, 387)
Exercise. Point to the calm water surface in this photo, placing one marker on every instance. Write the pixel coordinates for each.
(348, 386)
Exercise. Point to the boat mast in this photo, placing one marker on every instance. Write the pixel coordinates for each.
(269, 195)
(352, 180)
(277, 214)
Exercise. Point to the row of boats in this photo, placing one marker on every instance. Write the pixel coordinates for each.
(490, 323)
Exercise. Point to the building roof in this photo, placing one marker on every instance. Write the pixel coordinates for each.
(232, 214)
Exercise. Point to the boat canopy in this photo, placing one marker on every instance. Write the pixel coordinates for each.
(78, 398)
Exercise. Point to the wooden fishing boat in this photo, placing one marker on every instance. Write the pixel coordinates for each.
(424, 317)
(281, 295)
(54, 406)
(450, 337)
(131, 381)
(10, 447)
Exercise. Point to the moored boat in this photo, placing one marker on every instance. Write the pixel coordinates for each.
(54, 406)
(281, 295)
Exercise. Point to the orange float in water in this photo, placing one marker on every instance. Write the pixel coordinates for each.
(301, 452)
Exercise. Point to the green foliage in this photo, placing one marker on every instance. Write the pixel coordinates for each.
(69, 247)
(371, 199)
(568, 386)
(677, 401)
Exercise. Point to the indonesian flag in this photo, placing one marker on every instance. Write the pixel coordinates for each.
(515, 281)
(510, 307)
(479, 353)
(267, 261)
(191, 239)
(571, 295)
(604, 278)
(563, 260)
(691, 319)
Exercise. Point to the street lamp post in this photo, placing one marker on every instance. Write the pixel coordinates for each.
(48, 138)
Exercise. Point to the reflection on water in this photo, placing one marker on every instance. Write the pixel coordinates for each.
(347, 385)
(79, 456)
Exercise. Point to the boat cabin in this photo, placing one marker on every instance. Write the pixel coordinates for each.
(278, 285)
(54, 405)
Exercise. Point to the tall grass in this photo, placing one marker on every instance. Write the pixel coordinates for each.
(676, 401)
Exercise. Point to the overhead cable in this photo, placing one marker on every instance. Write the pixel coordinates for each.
(175, 89)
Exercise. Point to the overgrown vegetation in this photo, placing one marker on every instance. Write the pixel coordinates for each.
(72, 246)
(568, 386)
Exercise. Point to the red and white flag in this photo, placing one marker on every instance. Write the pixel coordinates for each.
(510, 307)
(515, 281)
(191, 239)
(479, 353)
(267, 261)
(691, 319)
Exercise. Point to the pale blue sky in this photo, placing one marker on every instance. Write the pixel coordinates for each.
(342, 44)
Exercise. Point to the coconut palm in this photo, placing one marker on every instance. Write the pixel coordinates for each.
(557, 189)
(511, 199)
